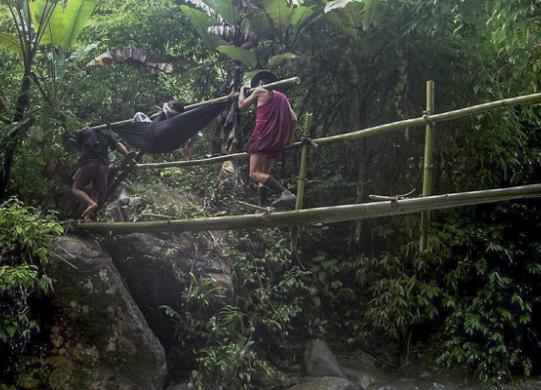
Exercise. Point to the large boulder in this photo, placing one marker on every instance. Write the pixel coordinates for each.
(361, 369)
(319, 361)
(158, 268)
(99, 337)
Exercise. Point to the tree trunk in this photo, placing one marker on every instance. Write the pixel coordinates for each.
(226, 137)
(9, 153)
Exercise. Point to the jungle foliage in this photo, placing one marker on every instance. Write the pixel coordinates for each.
(473, 300)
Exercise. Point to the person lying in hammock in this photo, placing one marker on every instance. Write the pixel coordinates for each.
(275, 121)
(169, 110)
(93, 146)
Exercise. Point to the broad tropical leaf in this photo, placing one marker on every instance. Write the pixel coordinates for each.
(279, 12)
(348, 21)
(201, 22)
(227, 10)
(246, 57)
(300, 16)
(332, 5)
(10, 42)
(370, 8)
(130, 53)
(66, 22)
(279, 59)
(208, 10)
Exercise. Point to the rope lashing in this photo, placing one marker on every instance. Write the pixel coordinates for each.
(426, 117)
(305, 140)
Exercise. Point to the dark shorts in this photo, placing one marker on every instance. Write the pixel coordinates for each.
(94, 171)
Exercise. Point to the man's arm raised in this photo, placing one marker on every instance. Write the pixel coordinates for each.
(245, 102)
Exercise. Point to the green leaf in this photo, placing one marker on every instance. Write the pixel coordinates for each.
(76, 15)
(10, 42)
(227, 10)
(201, 22)
(39, 12)
(65, 23)
(9, 3)
(246, 57)
(280, 59)
(369, 15)
(279, 12)
(300, 16)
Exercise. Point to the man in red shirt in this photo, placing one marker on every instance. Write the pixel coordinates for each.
(275, 121)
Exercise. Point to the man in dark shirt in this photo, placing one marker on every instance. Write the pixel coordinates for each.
(94, 147)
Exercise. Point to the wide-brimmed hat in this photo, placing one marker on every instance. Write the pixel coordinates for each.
(263, 75)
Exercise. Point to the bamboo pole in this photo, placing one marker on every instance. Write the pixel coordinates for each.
(191, 163)
(303, 163)
(123, 174)
(427, 165)
(381, 129)
(322, 214)
(271, 86)
(303, 166)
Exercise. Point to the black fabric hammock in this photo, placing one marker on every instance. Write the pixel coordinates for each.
(169, 134)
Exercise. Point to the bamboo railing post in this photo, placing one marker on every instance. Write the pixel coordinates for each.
(427, 165)
(301, 179)
(303, 163)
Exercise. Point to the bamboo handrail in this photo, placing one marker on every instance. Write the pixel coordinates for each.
(321, 214)
(270, 86)
(423, 120)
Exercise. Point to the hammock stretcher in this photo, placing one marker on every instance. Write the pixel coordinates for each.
(168, 135)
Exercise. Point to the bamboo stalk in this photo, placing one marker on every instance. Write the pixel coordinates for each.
(118, 180)
(381, 129)
(423, 120)
(301, 179)
(271, 86)
(303, 163)
(191, 163)
(427, 166)
(322, 214)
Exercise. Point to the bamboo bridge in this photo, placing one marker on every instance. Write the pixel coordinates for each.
(341, 213)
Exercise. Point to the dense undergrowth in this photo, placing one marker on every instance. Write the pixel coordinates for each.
(26, 235)
(473, 300)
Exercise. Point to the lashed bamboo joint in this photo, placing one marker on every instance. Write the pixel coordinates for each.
(320, 215)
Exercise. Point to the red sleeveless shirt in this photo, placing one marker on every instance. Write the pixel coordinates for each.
(273, 127)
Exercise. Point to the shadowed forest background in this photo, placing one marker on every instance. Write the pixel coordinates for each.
(471, 303)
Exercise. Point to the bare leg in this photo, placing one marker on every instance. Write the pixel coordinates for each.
(83, 196)
(260, 167)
